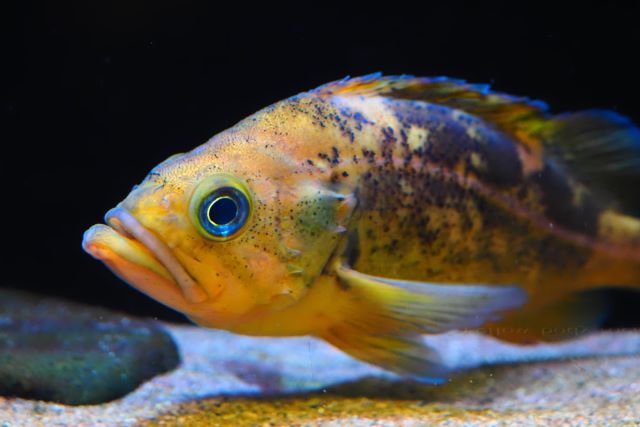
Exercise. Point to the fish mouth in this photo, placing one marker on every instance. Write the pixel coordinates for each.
(143, 260)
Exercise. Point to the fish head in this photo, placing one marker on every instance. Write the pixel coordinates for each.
(225, 233)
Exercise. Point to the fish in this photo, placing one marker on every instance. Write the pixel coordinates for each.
(372, 211)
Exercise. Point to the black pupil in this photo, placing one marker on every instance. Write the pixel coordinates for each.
(222, 211)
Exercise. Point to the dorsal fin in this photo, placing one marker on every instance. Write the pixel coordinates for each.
(518, 116)
(600, 148)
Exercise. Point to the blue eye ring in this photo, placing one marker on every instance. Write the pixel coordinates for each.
(223, 212)
(221, 207)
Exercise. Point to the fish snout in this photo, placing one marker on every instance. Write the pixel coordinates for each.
(121, 220)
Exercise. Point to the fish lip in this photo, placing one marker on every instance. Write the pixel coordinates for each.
(123, 222)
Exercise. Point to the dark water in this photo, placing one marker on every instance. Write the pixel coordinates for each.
(98, 93)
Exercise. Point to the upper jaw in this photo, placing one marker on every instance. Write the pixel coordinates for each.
(142, 259)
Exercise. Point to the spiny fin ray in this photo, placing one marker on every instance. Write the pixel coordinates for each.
(509, 113)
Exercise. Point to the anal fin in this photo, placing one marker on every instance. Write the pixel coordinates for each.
(402, 353)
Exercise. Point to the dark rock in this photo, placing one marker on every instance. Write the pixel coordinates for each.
(75, 354)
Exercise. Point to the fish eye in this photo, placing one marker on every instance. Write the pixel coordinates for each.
(222, 210)
(221, 207)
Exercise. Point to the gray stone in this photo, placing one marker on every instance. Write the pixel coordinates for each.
(75, 354)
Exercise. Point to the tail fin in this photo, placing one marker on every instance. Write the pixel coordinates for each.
(603, 149)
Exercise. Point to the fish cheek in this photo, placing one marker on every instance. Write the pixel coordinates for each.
(210, 275)
(236, 277)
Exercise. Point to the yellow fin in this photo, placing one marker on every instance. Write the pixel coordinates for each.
(381, 319)
(402, 353)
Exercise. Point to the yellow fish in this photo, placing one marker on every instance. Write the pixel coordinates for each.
(373, 210)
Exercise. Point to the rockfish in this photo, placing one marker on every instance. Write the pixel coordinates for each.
(373, 210)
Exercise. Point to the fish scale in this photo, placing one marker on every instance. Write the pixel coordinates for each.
(372, 210)
(441, 178)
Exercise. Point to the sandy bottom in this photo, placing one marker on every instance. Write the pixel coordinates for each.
(232, 380)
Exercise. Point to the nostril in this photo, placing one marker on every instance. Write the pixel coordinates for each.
(140, 193)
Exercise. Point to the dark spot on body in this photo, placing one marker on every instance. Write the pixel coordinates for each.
(522, 193)
(502, 163)
(403, 136)
(336, 155)
(559, 201)
(369, 155)
(412, 113)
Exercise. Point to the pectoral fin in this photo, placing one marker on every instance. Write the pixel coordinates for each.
(433, 308)
(382, 318)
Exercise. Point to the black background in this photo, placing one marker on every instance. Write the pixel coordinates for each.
(97, 93)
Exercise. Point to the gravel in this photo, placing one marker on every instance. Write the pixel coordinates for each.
(231, 372)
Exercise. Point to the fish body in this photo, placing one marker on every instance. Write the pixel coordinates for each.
(372, 210)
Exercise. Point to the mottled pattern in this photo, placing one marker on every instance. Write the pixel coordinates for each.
(566, 203)
(432, 180)
(446, 195)
(453, 185)
(435, 190)
(459, 191)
